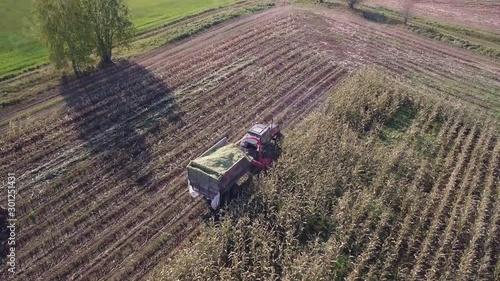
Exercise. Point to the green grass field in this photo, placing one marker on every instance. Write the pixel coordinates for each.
(19, 50)
(149, 14)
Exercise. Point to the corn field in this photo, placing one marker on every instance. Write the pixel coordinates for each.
(383, 182)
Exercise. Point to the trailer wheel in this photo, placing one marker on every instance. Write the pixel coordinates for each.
(226, 198)
(233, 192)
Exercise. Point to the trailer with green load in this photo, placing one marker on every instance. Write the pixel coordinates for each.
(217, 170)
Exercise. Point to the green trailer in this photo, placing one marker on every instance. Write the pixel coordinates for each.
(216, 171)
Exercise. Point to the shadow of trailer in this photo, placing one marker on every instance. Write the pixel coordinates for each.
(215, 172)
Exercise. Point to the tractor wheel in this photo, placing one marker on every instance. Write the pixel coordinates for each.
(226, 198)
(278, 137)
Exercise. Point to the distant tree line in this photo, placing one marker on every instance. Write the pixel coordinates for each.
(74, 30)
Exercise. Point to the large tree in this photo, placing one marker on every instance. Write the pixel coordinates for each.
(62, 29)
(110, 23)
(73, 29)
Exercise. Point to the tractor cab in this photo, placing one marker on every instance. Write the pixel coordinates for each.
(258, 138)
(265, 133)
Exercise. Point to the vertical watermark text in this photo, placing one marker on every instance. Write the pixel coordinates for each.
(11, 222)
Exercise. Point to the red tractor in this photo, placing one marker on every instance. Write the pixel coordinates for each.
(258, 140)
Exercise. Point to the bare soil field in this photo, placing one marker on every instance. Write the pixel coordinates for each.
(482, 14)
(101, 181)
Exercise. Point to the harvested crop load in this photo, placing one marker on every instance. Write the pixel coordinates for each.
(218, 161)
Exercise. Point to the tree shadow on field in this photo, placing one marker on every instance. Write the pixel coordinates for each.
(116, 112)
(378, 17)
